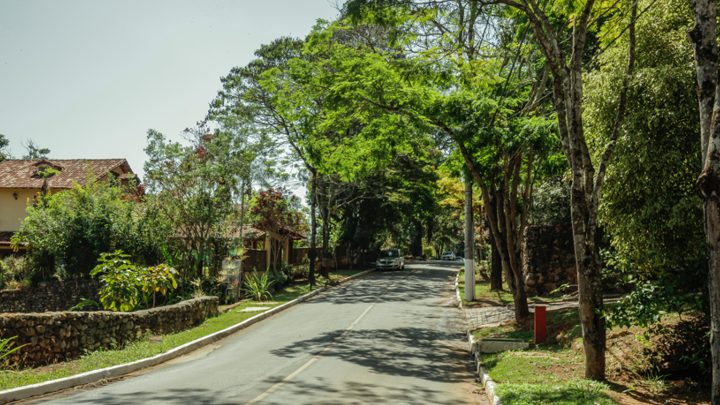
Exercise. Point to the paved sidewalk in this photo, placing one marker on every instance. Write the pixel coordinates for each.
(475, 318)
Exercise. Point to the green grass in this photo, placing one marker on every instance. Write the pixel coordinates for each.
(539, 365)
(550, 373)
(504, 297)
(572, 393)
(148, 347)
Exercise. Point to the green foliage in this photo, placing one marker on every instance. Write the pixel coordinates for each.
(84, 303)
(280, 274)
(126, 286)
(67, 231)
(574, 393)
(6, 349)
(551, 202)
(13, 270)
(122, 282)
(157, 279)
(194, 187)
(650, 206)
(4, 150)
(32, 151)
(258, 287)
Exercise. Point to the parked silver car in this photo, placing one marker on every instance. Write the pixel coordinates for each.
(448, 256)
(390, 259)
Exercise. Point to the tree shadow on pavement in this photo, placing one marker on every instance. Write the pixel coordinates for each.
(327, 392)
(415, 287)
(409, 352)
(164, 396)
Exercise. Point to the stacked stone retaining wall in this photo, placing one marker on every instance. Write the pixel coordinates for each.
(61, 336)
(548, 259)
(49, 296)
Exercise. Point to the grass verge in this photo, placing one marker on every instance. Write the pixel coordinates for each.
(485, 296)
(153, 345)
(573, 393)
(550, 373)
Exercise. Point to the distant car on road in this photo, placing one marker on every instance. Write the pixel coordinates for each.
(448, 256)
(390, 259)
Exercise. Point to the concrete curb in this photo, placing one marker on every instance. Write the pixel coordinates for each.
(16, 394)
(485, 379)
(457, 291)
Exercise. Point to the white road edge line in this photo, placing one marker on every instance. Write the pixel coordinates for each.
(34, 390)
(325, 350)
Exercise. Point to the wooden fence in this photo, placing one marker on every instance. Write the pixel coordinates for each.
(256, 259)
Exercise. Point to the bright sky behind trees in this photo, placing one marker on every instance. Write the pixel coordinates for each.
(88, 78)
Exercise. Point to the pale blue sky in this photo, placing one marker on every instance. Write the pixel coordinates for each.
(87, 79)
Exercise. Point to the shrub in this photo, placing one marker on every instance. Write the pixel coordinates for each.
(258, 288)
(13, 271)
(66, 232)
(126, 286)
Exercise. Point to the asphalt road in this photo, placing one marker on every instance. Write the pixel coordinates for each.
(387, 338)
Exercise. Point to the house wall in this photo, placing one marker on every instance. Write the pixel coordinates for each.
(12, 211)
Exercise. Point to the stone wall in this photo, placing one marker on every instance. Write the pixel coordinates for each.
(49, 296)
(61, 336)
(548, 259)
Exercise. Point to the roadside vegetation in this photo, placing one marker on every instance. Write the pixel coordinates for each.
(13, 376)
(643, 367)
(485, 296)
(580, 115)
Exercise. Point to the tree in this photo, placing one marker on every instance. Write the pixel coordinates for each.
(32, 151)
(371, 92)
(195, 186)
(566, 68)
(67, 231)
(704, 39)
(4, 150)
(650, 205)
(260, 93)
(274, 212)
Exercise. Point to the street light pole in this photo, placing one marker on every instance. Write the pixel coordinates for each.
(469, 243)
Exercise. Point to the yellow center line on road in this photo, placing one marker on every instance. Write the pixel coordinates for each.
(325, 350)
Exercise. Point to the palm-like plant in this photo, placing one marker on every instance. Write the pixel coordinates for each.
(258, 288)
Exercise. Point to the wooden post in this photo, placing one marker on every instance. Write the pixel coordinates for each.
(540, 324)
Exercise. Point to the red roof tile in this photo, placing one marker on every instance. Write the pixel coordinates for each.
(22, 173)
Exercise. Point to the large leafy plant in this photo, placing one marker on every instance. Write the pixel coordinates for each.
(126, 286)
(258, 287)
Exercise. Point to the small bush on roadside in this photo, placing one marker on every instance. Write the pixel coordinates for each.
(13, 271)
(126, 287)
(69, 230)
(258, 287)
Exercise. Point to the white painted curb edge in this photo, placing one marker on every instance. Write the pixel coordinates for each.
(28, 391)
(457, 291)
(485, 379)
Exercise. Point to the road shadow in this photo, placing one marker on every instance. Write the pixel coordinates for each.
(164, 396)
(327, 392)
(408, 352)
(417, 286)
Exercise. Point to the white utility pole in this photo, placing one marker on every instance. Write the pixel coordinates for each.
(469, 244)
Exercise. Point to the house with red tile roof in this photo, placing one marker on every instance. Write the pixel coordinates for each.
(20, 182)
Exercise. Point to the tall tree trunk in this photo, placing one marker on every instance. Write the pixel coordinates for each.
(704, 39)
(469, 243)
(416, 245)
(496, 269)
(313, 229)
